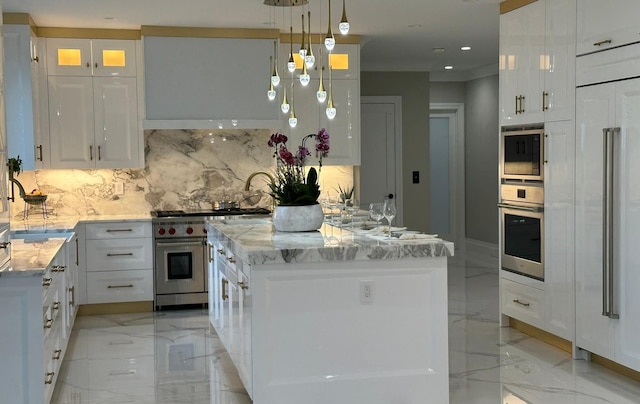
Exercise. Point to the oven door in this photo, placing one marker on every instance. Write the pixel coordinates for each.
(179, 266)
(523, 240)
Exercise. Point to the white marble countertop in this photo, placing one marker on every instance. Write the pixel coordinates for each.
(31, 257)
(256, 242)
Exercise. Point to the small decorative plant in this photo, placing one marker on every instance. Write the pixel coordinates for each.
(345, 193)
(15, 166)
(291, 187)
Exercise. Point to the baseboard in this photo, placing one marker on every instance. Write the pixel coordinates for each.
(542, 335)
(115, 308)
(616, 367)
(481, 251)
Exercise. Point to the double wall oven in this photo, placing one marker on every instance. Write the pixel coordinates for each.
(180, 262)
(522, 202)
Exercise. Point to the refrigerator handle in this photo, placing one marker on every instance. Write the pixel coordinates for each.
(605, 221)
(614, 134)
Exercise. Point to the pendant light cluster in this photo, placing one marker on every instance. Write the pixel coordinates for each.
(309, 60)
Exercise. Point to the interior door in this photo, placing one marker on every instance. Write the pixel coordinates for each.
(441, 146)
(380, 150)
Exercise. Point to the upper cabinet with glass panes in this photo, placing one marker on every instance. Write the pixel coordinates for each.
(91, 57)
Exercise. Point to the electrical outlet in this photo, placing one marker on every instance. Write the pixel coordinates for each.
(366, 291)
(119, 188)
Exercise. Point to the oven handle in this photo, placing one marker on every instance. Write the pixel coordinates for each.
(180, 244)
(520, 207)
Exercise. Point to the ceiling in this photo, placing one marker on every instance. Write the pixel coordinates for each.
(395, 35)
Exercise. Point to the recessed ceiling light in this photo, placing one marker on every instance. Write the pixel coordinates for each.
(414, 25)
(448, 67)
(465, 48)
(110, 18)
(438, 50)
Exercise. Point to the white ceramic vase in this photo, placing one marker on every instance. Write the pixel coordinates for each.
(298, 218)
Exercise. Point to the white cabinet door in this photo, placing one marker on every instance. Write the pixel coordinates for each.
(243, 337)
(21, 92)
(612, 105)
(116, 122)
(91, 57)
(522, 43)
(559, 292)
(606, 24)
(558, 60)
(595, 110)
(71, 121)
(627, 224)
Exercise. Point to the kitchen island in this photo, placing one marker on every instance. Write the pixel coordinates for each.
(330, 316)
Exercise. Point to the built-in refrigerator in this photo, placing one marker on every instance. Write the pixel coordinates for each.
(607, 261)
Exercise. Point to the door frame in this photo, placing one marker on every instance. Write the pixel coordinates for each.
(396, 100)
(458, 167)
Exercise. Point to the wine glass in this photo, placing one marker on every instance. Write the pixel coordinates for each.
(376, 211)
(389, 211)
(352, 207)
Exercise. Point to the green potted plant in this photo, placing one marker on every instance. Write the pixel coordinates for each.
(296, 194)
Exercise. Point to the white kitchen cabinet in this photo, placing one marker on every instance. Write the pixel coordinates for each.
(36, 321)
(24, 67)
(606, 24)
(93, 122)
(230, 307)
(91, 57)
(609, 105)
(537, 68)
(119, 262)
(559, 181)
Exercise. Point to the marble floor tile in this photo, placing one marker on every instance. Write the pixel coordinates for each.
(173, 357)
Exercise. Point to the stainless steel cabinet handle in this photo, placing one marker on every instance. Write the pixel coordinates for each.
(122, 373)
(603, 42)
(91, 152)
(119, 286)
(522, 104)
(185, 244)
(518, 207)
(544, 150)
(608, 279)
(517, 109)
(39, 152)
(77, 251)
(223, 290)
(56, 354)
(544, 101)
(48, 377)
(118, 230)
(119, 254)
(517, 301)
(99, 153)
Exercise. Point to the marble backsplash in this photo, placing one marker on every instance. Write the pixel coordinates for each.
(183, 169)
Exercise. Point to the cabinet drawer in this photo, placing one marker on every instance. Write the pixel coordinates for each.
(111, 230)
(522, 302)
(119, 286)
(120, 254)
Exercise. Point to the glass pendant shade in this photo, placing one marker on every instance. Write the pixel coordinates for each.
(304, 77)
(321, 94)
(293, 121)
(291, 65)
(285, 103)
(309, 59)
(329, 41)
(271, 93)
(331, 109)
(303, 50)
(275, 77)
(344, 24)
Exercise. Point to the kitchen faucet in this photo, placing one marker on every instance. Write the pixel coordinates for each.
(247, 184)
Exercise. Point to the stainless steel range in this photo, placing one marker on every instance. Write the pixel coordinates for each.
(179, 238)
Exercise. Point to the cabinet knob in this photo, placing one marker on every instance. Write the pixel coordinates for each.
(88, 64)
(48, 377)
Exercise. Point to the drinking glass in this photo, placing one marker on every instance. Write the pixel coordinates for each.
(352, 207)
(389, 212)
(329, 204)
(376, 211)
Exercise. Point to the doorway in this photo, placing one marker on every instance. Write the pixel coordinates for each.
(380, 171)
(446, 171)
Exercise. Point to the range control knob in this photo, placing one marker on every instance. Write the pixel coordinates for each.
(161, 231)
(189, 230)
(172, 231)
